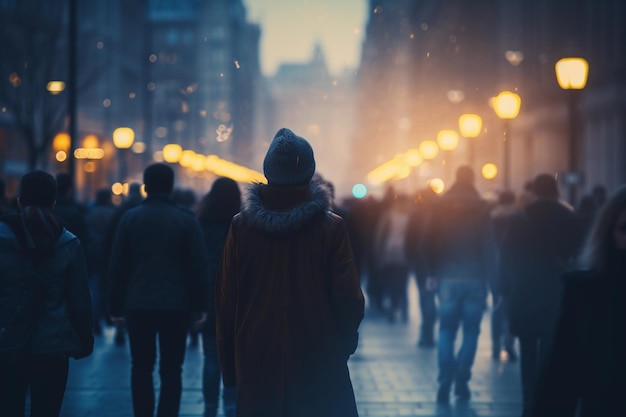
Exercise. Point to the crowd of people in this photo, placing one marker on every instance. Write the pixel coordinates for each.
(271, 280)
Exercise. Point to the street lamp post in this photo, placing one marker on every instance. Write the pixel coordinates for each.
(571, 74)
(470, 126)
(507, 106)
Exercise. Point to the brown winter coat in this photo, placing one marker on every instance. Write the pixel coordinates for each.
(288, 305)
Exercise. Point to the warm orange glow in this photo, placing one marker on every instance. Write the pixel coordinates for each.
(139, 147)
(571, 73)
(90, 166)
(91, 141)
(507, 105)
(383, 173)
(489, 171)
(448, 140)
(413, 157)
(437, 185)
(186, 158)
(55, 87)
(123, 137)
(117, 188)
(172, 153)
(470, 125)
(89, 153)
(429, 149)
(61, 142)
(61, 156)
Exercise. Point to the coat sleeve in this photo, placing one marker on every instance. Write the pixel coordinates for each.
(79, 302)
(225, 304)
(346, 296)
(119, 271)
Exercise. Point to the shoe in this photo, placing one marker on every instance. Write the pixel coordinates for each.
(462, 391)
(443, 394)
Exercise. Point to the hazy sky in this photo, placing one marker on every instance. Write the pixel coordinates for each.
(290, 28)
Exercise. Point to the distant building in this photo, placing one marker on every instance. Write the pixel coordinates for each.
(425, 63)
(307, 99)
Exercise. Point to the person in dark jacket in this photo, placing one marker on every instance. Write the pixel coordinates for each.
(132, 199)
(215, 212)
(586, 366)
(159, 280)
(35, 239)
(288, 298)
(460, 252)
(68, 210)
(539, 245)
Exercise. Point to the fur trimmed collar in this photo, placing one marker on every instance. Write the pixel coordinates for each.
(282, 210)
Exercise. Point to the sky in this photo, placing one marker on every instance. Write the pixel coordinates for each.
(290, 29)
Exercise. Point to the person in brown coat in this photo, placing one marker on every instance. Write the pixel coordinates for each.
(288, 298)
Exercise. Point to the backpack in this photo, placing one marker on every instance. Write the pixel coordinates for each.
(21, 296)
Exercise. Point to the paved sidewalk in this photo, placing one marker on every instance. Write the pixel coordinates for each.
(391, 377)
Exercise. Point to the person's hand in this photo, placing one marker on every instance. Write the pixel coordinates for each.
(431, 283)
(117, 320)
(199, 321)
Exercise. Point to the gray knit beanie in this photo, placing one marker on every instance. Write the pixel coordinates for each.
(289, 160)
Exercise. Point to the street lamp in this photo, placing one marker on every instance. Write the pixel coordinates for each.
(507, 106)
(470, 126)
(448, 140)
(123, 138)
(571, 74)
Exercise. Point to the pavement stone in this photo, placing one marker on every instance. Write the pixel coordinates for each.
(390, 374)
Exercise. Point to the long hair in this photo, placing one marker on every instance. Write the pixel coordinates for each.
(600, 251)
(221, 203)
(37, 195)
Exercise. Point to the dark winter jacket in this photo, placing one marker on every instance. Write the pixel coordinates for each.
(586, 364)
(538, 247)
(459, 242)
(158, 261)
(63, 326)
(289, 305)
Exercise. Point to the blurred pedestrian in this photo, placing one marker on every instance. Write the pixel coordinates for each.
(34, 240)
(424, 200)
(460, 255)
(68, 210)
(98, 222)
(391, 256)
(215, 212)
(159, 279)
(5, 204)
(289, 302)
(539, 246)
(586, 366)
(500, 332)
(132, 199)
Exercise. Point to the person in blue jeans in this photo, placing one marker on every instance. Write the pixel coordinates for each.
(460, 257)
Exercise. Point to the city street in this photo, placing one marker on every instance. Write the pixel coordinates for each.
(391, 377)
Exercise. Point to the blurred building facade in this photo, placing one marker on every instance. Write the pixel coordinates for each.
(310, 101)
(425, 63)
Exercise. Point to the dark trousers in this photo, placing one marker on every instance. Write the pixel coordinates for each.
(428, 310)
(533, 349)
(212, 379)
(144, 328)
(45, 376)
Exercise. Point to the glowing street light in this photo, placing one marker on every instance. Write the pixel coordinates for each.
(489, 171)
(507, 106)
(123, 137)
(429, 149)
(571, 74)
(172, 153)
(55, 87)
(448, 140)
(470, 126)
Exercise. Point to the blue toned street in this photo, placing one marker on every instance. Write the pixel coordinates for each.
(391, 377)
